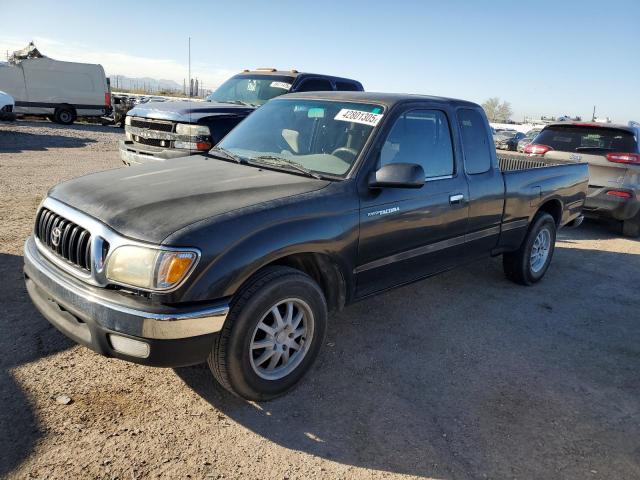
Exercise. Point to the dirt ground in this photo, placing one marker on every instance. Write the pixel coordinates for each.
(463, 376)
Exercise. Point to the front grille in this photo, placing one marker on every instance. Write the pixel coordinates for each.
(157, 125)
(73, 241)
(154, 142)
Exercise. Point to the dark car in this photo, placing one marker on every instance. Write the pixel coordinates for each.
(157, 131)
(316, 200)
(508, 140)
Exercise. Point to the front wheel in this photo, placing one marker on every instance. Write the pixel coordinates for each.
(274, 331)
(530, 262)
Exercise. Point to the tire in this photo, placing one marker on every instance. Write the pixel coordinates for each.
(237, 359)
(64, 115)
(631, 227)
(529, 263)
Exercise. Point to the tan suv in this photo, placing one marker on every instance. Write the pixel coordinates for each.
(613, 154)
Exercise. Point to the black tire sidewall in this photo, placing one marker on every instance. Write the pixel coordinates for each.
(58, 116)
(242, 377)
(543, 221)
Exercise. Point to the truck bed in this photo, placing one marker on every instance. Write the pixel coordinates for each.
(531, 183)
(509, 163)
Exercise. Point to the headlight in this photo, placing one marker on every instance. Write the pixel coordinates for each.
(149, 268)
(127, 120)
(192, 130)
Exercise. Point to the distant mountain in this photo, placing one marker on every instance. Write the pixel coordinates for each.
(144, 83)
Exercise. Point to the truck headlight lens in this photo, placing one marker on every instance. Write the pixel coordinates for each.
(149, 268)
(127, 120)
(192, 130)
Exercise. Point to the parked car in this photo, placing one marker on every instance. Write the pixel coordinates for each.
(508, 140)
(7, 105)
(61, 91)
(613, 155)
(155, 132)
(528, 138)
(315, 201)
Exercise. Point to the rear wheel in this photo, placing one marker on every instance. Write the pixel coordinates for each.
(64, 115)
(530, 262)
(631, 227)
(272, 335)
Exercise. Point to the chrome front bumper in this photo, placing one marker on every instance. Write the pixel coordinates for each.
(89, 315)
(135, 154)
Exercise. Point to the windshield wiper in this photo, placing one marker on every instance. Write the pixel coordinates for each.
(279, 161)
(227, 155)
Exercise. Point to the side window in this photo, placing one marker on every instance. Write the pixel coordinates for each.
(315, 85)
(422, 137)
(475, 141)
(347, 86)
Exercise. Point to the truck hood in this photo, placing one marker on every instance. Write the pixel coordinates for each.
(150, 202)
(188, 112)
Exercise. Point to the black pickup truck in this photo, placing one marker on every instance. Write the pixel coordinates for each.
(313, 202)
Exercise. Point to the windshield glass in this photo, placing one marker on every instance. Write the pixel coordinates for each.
(532, 133)
(251, 89)
(571, 138)
(318, 135)
(506, 134)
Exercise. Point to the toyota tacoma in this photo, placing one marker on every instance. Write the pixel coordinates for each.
(316, 200)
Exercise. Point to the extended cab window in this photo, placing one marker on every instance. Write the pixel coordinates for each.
(422, 137)
(315, 85)
(475, 141)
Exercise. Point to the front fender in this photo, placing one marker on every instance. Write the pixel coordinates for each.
(334, 236)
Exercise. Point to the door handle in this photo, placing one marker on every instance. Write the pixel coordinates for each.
(456, 199)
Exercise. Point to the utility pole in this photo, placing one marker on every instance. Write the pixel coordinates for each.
(190, 88)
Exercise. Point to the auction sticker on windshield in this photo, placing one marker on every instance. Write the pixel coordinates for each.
(357, 116)
(282, 85)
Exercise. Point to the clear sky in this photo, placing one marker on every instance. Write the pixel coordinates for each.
(545, 57)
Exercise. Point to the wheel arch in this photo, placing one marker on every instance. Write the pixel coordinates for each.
(322, 268)
(554, 208)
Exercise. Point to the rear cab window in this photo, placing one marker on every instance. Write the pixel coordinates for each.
(315, 85)
(475, 141)
(585, 138)
(344, 86)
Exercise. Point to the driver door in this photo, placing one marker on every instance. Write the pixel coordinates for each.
(407, 234)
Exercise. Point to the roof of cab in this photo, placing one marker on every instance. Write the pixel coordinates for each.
(386, 99)
(270, 71)
(291, 73)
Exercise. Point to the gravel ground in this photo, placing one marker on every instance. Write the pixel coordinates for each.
(462, 376)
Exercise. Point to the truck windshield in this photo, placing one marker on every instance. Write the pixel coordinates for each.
(319, 135)
(251, 90)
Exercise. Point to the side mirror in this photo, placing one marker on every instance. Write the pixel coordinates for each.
(398, 175)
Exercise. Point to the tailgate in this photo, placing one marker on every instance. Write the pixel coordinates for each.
(602, 172)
